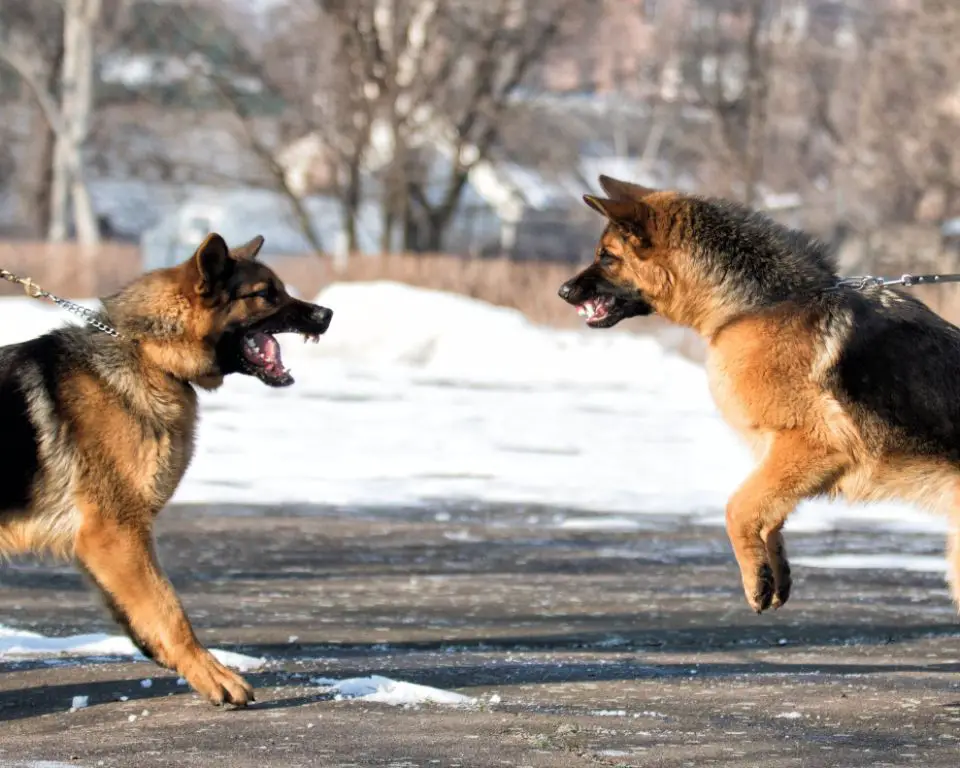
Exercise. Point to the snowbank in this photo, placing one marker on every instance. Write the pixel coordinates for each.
(384, 324)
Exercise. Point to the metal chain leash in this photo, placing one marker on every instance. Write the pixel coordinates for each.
(907, 281)
(34, 291)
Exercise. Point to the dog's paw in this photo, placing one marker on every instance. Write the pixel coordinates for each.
(759, 588)
(216, 683)
(783, 583)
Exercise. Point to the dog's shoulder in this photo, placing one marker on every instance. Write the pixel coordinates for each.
(900, 363)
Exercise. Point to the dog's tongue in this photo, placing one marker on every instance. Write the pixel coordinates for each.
(264, 351)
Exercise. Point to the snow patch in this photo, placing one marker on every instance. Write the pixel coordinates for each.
(23, 644)
(915, 563)
(601, 523)
(394, 692)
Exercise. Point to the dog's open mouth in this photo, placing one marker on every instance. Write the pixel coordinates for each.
(597, 309)
(262, 351)
(605, 310)
(254, 350)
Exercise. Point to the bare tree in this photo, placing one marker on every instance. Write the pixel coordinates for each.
(35, 56)
(901, 143)
(67, 110)
(392, 56)
(727, 66)
(492, 49)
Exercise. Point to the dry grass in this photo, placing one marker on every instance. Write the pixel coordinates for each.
(68, 270)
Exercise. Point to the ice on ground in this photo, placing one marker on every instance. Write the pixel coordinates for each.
(35, 764)
(890, 561)
(238, 661)
(23, 644)
(601, 523)
(419, 397)
(394, 692)
(79, 702)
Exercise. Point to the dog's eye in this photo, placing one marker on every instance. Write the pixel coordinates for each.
(262, 293)
(608, 260)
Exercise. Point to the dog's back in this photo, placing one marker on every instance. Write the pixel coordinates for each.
(900, 367)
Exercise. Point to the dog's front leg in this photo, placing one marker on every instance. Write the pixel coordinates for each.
(118, 554)
(791, 470)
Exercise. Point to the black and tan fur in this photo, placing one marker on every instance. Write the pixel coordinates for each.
(98, 432)
(839, 391)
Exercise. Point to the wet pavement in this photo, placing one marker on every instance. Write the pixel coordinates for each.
(582, 647)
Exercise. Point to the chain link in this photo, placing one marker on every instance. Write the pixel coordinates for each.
(34, 291)
(907, 281)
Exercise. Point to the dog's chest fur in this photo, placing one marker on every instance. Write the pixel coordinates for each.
(761, 376)
(144, 444)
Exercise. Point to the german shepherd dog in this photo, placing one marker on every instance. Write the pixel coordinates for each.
(98, 431)
(839, 391)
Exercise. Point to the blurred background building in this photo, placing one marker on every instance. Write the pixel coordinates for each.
(348, 129)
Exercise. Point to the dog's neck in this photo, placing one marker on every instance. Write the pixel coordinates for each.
(160, 337)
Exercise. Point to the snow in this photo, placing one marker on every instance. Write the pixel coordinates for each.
(35, 764)
(890, 561)
(416, 397)
(23, 644)
(394, 692)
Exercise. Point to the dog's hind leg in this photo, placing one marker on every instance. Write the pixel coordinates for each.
(790, 471)
(118, 555)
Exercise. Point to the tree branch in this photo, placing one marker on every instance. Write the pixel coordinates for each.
(30, 78)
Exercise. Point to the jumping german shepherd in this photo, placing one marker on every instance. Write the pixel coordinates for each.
(840, 391)
(98, 431)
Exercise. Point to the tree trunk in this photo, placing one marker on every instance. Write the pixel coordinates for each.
(436, 228)
(351, 206)
(79, 23)
(47, 136)
(757, 90)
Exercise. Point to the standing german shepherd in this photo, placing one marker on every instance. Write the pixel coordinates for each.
(98, 431)
(840, 391)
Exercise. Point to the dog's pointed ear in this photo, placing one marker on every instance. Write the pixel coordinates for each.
(247, 251)
(211, 261)
(624, 190)
(618, 211)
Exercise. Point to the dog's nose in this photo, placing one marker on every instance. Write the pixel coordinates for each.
(322, 316)
(565, 290)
